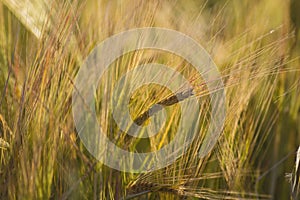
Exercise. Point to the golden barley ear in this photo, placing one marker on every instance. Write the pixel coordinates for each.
(138, 189)
(5, 133)
(3, 144)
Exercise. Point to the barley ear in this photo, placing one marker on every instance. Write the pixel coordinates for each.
(3, 144)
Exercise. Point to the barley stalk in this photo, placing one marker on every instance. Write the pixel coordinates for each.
(296, 177)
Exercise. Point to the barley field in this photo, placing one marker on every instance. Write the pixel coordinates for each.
(255, 45)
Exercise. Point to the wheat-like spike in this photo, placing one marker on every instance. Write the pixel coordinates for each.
(3, 144)
(137, 189)
(176, 98)
(169, 101)
(144, 187)
(4, 128)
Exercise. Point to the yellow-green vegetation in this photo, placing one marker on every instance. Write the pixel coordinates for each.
(254, 44)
